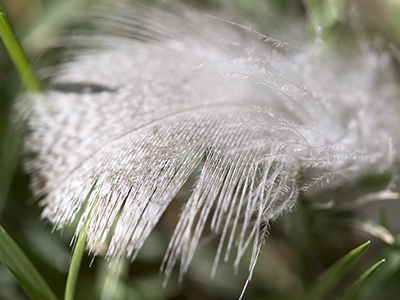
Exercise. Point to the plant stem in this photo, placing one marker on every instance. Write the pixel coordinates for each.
(75, 265)
(17, 54)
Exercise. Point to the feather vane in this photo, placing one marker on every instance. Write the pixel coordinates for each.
(125, 123)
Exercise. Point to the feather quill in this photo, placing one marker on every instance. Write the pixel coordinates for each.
(157, 91)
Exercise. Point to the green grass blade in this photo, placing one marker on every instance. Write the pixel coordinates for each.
(77, 256)
(23, 270)
(17, 54)
(74, 268)
(323, 16)
(351, 293)
(331, 277)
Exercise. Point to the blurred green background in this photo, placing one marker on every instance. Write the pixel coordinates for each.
(301, 245)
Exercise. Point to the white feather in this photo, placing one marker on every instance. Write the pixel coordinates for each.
(160, 91)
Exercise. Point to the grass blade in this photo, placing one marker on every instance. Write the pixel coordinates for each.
(324, 16)
(23, 270)
(355, 287)
(331, 277)
(17, 54)
(74, 268)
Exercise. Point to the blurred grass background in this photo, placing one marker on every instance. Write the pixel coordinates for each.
(301, 245)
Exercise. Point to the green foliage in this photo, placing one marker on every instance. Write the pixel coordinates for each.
(328, 280)
(23, 270)
(79, 251)
(353, 290)
(325, 16)
(17, 53)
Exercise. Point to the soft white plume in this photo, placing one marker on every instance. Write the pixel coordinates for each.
(159, 91)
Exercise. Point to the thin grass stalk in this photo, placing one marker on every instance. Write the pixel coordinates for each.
(17, 54)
